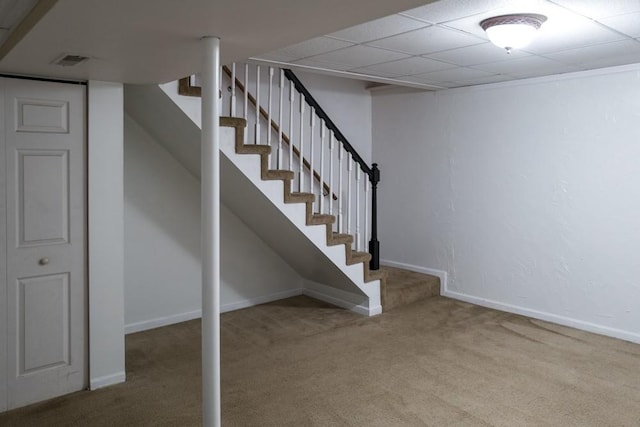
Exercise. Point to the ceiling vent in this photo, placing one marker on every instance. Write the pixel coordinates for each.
(69, 60)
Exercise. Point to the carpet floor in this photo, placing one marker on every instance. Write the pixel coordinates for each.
(300, 362)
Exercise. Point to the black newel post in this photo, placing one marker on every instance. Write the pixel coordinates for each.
(374, 245)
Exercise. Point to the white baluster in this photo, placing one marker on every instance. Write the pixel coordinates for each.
(321, 192)
(269, 113)
(365, 235)
(292, 100)
(331, 189)
(340, 169)
(257, 104)
(233, 90)
(246, 91)
(301, 172)
(349, 169)
(279, 166)
(312, 113)
(358, 172)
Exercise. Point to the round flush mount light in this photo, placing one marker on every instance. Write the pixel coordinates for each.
(512, 31)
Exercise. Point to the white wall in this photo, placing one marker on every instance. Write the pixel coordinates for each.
(526, 193)
(106, 258)
(162, 243)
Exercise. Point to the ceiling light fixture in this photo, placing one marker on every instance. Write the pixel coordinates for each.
(512, 31)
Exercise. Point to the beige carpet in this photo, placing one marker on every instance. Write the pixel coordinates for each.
(299, 362)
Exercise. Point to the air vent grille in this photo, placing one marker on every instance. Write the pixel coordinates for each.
(69, 60)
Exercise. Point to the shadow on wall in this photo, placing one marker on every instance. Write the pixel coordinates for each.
(162, 238)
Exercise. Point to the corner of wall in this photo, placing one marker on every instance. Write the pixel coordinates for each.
(106, 233)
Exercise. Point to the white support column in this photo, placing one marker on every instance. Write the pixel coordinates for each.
(210, 194)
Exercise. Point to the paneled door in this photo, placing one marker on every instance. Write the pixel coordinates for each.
(46, 292)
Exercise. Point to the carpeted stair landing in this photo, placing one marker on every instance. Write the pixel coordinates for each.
(405, 287)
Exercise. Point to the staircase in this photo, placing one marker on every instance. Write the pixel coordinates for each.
(317, 187)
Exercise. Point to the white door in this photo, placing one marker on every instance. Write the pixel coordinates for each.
(45, 240)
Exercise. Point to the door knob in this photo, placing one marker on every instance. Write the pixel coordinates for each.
(43, 261)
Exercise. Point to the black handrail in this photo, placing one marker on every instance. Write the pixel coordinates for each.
(373, 172)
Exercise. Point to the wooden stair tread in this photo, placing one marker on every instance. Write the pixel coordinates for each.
(357, 257)
(340, 239)
(276, 174)
(319, 219)
(299, 198)
(253, 149)
(403, 287)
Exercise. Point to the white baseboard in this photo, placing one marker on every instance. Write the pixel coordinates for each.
(340, 298)
(232, 306)
(158, 322)
(549, 317)
(196, 314)
(431, 271)
(107, 380)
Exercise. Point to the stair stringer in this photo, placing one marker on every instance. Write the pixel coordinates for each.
(335, 284)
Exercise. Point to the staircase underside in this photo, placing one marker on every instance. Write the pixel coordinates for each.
(283, 219)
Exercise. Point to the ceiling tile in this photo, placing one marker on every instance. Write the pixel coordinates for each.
(359, 56)
(477, 54)
(427, 40)
(446, 10)
(313, 47)
(422, 80)
(405, 67)
(528, 66)
(600, 8)
(628, 23)
(568, 32)
(277, 56)
(455, 74)
(311, 62)
(605, 53)
(606, 61)
(380, 28)
(492, 78)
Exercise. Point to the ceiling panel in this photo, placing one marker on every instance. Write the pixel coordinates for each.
(427, 40)
(378, 29)
(323, 65)
(313, 47)
(452, 75)
(628, 24)
(527, 67)
(360, 56)
(477, 54)
(611, 52)
(443, 11)
(569, 31)
(442, 43)
(600, 8)
(492, 78)
(406, 67)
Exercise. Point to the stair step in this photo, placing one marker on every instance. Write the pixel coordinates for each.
(357, 257)
(371, 275)
(319, 219)
(276, 174)
(299, 198)
(404, 287)
(340, 239)
(253, 149)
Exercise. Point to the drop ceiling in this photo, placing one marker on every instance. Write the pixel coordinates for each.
(155, 41)
(441, 45)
